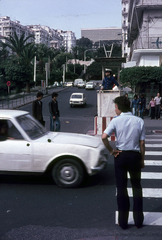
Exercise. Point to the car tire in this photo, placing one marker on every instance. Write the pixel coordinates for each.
(71, 105)
(68, 173)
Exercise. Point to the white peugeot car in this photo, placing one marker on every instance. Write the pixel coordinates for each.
(77, 99)
(26, 146)
(90, 85)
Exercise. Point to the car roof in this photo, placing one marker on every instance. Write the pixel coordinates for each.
(77, 94)
(5, 113)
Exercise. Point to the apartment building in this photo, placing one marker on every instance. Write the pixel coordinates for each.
(43, 34)
(125, 48)
(69, 39)
(8, 27)
(145, 33)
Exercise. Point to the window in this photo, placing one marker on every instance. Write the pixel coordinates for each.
(8, 130)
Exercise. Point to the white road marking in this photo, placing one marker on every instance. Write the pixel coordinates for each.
(153, 163)
(148, 192)
(153, 153)
(153, 145)
(150, 175)
(150, 218)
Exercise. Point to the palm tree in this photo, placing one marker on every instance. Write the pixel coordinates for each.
(16, 44)
(24, 52)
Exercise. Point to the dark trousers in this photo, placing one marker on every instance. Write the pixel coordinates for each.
(152, 112)
(129, 161)
(157, 111)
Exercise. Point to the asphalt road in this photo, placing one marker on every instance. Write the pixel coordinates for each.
(35, 208)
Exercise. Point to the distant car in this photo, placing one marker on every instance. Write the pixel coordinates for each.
(76, 81)
(90, 85)
(27, 147)
(77, 99)
(81, 85)
(69, 84)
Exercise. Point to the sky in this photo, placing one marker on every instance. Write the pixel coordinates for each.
(66, 15)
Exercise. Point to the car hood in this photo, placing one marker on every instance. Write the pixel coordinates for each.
(74, 138)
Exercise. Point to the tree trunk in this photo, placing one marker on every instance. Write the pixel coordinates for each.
(28, 87)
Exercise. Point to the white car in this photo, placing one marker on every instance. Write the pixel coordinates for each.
(26, 146)
(81, 85)
(76, 81)
(69, 84)
(90, 85)
(77, 99)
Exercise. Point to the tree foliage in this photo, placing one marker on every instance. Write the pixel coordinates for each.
(16, 44)
(136, 75)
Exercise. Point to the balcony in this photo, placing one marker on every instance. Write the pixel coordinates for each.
(149, 3)
(148, 43)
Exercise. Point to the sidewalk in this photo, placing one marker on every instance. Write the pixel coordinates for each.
(18, 100)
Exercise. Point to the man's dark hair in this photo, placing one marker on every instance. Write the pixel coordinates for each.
(54, 94)
(39, 94)
(123, 104)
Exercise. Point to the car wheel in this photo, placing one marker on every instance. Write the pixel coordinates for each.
(68, 173)
(71, 105)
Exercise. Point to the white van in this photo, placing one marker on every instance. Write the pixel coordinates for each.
(78, 80)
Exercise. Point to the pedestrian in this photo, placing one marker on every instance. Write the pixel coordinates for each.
(134, 105)
(157, 106)
(54, 113)
(37, 108)
(142, 105)
(128, 157)
(108, 81)
(152, 104)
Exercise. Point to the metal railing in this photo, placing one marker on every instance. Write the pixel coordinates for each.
(16, 100)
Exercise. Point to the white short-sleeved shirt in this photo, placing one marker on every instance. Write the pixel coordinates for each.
(128, 129)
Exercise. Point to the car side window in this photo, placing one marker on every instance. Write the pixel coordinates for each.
(13, 132)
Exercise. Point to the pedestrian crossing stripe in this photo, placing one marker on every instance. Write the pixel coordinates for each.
(154, 140)
(150, 175)
(153, 163)
(148, 193)
(150, 218)
(153, 145)
(157, 153)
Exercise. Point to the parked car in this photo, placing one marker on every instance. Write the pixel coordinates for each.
(26, 146)
(77, 99)
(81, 85)
(90, 85)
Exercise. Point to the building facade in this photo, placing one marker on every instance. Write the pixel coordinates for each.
(8, 27)
(100, 36)
(145, 33)
(53, 38)
(69, 40)
(125, 48)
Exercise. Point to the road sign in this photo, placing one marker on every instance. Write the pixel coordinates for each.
(8, 83)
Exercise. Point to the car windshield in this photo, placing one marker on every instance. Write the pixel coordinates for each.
(76, 96)
(32, 128)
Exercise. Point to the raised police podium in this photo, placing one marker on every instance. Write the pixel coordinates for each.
(105, 109)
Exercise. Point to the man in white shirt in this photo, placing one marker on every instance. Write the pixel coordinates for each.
(128, 157)
(157, 106)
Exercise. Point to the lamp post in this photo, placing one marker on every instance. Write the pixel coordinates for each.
(85, 57)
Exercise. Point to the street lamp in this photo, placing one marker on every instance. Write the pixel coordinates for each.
(85, 57)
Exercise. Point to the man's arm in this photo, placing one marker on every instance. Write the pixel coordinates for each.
(105, 141)
(142, 148)
(115, 82)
